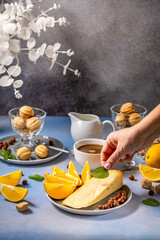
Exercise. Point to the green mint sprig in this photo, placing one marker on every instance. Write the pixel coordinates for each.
(36, 177)
(151, 202)
(7, 154)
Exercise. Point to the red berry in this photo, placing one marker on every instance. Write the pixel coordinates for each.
(131, 177)
(50, 142)
(24, 182)
(151, 192)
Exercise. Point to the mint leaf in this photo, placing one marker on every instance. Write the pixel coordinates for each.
(12, 156)
(5, 156)
(9, 151)
(100, 172)
(2, 152)
(151, 202)
(37, 177)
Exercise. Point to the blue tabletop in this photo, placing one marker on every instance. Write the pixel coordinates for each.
(44, 221)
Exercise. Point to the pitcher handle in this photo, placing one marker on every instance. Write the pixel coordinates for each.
(111, 123)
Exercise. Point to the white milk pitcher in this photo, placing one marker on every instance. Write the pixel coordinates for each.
(87, 126)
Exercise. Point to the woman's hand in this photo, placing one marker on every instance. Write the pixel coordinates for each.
(122, 145)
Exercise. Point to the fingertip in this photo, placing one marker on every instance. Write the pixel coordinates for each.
(107, 166)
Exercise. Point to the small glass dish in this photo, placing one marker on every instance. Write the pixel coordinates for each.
(124, 122)
(21, 128)
(115, 110)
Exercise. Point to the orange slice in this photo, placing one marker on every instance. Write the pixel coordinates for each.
(58, 179)
(150, 173)
(11, 178)
(57, 170)
(59, 191)
(73, 172)
(67, 177)
(86, 173)
(13, 194)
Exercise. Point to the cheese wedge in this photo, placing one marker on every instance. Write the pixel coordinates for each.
(95, 190)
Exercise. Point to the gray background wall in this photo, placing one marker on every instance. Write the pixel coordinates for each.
(117, 45)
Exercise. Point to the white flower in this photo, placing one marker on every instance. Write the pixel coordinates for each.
(77, 73)
(14, 71)
(69, 52)
(17, 83)
(2, 69)
(25, 34)
(50, 22)
(56, 47)
(31, 43)
(6, 81)
(4, 45)
(17, 22)
(17, 93)
(14, 45)
(32, 55)
(35, 28)
(62, 21)
(51, 50)
(66, 67)
(42, 48)
(7, 60)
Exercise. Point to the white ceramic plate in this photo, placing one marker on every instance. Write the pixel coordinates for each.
(34, 159)
(93, 210)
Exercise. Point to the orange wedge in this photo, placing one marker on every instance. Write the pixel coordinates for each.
(73, 172)
(150, 173)
(86, 173)
(11, 178)
(67, 177)
(57, 170)
(59, 191)
(13, 194)
(58, 179)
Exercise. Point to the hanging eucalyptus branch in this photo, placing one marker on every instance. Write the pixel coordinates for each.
(17, 24)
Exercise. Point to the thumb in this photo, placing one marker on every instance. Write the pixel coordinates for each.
(113, 159)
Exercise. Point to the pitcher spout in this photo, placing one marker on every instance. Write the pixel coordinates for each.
(74, 116)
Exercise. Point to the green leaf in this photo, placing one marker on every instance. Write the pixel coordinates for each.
(5, 156)
(2, 152)
(100, 172)
(37, 177)
(9, 151)
(151, 202)
(12, 156)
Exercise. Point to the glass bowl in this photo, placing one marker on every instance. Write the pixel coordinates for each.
(124, 121)
(115, 110)
(19, 126)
